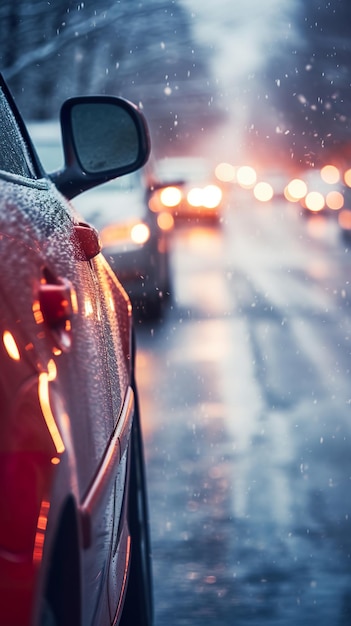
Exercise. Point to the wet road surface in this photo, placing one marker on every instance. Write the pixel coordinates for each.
(245, 394)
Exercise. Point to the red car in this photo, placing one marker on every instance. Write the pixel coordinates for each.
(74, 543)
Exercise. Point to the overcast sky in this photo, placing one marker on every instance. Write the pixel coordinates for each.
(239, 33)
(240, 30)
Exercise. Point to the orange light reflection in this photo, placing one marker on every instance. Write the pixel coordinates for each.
(11, 346)
(43, 394)
(40, 534)
(38, 316)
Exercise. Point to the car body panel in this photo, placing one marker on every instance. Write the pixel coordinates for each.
(66, 389)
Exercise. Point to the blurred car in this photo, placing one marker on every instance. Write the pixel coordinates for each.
(277, 179)
(74, 545)
(187, 187)
(323, 195)
(135, 240)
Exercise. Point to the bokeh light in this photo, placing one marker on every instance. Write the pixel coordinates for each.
(212, 196)
(11, 345)
(140, 233)
(347, 177)
(195, 197)
(315, 201)
(263, 192)
(344, 219)
(165, 220)
(246, 176)
(330, 174)
(334, 200)
(170, 196)
(295, 190)
(225, 172)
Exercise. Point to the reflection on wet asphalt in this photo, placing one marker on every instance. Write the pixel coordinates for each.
(245, 400)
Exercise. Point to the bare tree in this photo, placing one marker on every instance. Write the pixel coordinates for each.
(144, 51)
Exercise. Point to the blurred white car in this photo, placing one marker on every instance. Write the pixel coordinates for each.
(323, 194)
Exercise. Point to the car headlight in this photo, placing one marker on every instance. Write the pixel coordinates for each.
(195, 197)
(140, 233)
(212, 196)
(208, 197)
(171, 196)
(315, 201)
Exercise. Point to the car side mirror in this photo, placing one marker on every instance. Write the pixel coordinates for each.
(104, 137)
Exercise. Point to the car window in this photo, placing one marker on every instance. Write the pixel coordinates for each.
(14, 156)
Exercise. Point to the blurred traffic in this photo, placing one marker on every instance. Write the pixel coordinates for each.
(135, 240)
(188, 189)
(324, 191)
(137, 215)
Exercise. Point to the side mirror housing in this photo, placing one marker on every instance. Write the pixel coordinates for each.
(103, 137)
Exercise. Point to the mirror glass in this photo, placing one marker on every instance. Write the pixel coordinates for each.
(105, 136)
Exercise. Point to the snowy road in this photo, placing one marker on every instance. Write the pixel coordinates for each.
(246, 400)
